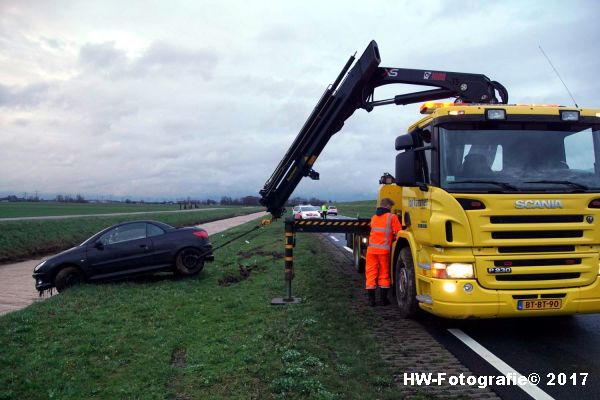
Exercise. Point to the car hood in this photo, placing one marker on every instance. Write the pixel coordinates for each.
(69, 253)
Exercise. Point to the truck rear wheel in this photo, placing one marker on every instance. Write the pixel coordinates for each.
(359, 262)
(405, 284)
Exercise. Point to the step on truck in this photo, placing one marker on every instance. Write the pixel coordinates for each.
(499, 203)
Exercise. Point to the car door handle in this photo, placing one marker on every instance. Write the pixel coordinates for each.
(144, 246)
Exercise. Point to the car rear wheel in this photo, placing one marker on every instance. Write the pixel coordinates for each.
(189, 262)
(67, 277)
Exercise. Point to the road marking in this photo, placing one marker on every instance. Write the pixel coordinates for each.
(494, 361)
(349, 249)
(334, 238)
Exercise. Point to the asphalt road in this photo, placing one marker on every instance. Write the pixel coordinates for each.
(567, 348)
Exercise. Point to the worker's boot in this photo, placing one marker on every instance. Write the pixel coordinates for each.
(384, 296)
(371, 293)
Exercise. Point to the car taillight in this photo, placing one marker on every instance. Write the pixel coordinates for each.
(202, 234)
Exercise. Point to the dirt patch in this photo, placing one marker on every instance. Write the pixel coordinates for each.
(243, 273)
(178, 358)
(261, 253)
(179, 363)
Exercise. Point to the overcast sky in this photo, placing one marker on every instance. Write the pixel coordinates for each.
(169, 99)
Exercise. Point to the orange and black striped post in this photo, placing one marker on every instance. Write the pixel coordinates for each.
(289, 240)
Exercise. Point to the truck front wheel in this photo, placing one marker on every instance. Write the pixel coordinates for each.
(405, 284)
(359, 262)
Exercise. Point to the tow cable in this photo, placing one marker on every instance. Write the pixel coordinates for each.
(234, 239)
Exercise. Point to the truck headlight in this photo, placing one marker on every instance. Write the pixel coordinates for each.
(452, 271)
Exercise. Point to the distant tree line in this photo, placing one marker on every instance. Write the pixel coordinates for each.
(67, 198)
(62, 198)
(294, 201)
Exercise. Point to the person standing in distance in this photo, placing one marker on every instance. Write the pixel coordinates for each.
(324, 211)
(384, 226)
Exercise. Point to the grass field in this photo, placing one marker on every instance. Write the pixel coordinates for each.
(187, 339)
(364, 209)
(24, 239)
(26, 209)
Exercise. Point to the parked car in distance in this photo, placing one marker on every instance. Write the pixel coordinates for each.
(306, 212)
(332, 210)
(126, 249)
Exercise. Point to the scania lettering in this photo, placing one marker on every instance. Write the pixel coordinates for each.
(538, 204)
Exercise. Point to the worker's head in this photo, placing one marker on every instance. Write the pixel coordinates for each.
(386, 203)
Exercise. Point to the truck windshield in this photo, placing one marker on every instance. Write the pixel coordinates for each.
(519, 159)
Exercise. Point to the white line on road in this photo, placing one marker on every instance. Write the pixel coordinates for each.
(348, 248)
(504, 368)
(334, 238)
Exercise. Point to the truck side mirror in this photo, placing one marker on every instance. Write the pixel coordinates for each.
(406, 172)
(404, 142)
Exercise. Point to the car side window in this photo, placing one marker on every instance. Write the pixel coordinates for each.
(154, 230)
(124, 233)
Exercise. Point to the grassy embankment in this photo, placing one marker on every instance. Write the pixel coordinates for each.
(24, 239)
(157, 339)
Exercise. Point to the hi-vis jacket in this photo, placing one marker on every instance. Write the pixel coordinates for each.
(384, 226)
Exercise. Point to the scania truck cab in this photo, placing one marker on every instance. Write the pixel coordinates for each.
(500, 209)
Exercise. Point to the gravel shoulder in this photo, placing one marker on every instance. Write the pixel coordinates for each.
(17, 287)
(405, 344)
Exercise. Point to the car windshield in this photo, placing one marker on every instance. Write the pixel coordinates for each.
(520, 159)
(309, 208)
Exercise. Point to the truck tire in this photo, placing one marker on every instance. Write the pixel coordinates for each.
(359, 262)
(67, 277)
(405, 284)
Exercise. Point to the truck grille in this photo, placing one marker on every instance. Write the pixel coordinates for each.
(535, 249)
(537, 262)
(535, 219)
(537, 234)
(536, 277)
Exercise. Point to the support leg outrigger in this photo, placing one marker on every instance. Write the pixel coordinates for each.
(289, 267)
(340, 225)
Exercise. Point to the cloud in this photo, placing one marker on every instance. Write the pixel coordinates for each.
(203, 99)
(102, 56)
(23, 96)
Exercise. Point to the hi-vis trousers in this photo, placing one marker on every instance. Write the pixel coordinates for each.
(377, 270)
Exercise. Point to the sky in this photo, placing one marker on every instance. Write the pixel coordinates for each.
(169, 99)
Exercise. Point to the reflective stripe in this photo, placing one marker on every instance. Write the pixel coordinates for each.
(387, 230)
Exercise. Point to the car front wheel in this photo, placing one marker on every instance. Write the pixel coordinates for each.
(67, 277)
(189, 262)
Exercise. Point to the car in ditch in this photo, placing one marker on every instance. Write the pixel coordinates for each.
(124, 250)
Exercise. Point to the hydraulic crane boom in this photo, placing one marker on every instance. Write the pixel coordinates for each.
(356, 90)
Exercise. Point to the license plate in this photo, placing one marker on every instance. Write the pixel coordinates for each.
(539, 304)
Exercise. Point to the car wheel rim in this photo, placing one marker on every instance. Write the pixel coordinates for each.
(190, 259)
(72, 279)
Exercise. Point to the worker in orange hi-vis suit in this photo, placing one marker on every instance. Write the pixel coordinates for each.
(384, 226)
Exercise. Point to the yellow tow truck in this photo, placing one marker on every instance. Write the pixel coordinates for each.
(500, 204)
